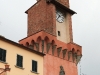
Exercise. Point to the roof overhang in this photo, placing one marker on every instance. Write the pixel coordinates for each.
(61, 6)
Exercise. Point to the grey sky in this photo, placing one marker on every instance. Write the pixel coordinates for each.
(86, 27)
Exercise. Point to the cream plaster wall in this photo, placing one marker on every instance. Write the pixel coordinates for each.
(1, 70)
(11, 56)
(64, 30)
(4, 73)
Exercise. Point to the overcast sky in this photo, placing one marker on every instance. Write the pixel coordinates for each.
(86, 28)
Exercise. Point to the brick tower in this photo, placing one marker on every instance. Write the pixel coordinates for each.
(50, 32)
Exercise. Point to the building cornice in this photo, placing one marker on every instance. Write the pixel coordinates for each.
(56, 3)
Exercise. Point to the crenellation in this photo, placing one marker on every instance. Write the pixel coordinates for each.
(53, 49)
(64, 52)
(44, 44)
(48, 47)
(37, 46)
(59, 51)
(69, 55)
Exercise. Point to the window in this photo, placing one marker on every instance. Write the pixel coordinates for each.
(2, 55)
(58, 33)
(19, 61)
(34, 66)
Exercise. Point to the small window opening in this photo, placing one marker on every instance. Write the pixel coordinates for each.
(59, 33)
(19, 61)
(2, 55)
(34, 66)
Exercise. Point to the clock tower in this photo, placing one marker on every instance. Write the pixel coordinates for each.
(50, 32)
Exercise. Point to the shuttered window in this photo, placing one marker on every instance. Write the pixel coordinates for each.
(19, 61)
(2, 55)
(34, 66)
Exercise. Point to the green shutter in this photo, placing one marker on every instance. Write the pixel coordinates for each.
(0, 54)
(19, 61)
(34, 66)
(4, 55)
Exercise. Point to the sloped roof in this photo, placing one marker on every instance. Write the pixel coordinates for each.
(58, 5)
(63, 7)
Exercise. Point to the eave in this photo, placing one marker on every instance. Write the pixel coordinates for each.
(57, 4)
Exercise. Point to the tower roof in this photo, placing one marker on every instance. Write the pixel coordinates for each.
(62, 6)
(56, 3)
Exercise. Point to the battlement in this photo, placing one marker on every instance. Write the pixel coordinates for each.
(48, 44)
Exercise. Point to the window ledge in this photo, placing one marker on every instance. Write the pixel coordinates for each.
(19, 67)
(3, 62)
(34, 72)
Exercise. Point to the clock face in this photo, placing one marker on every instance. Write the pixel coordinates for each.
(60, 17)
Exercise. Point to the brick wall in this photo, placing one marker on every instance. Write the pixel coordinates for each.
(64, 2)
(41, 17)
